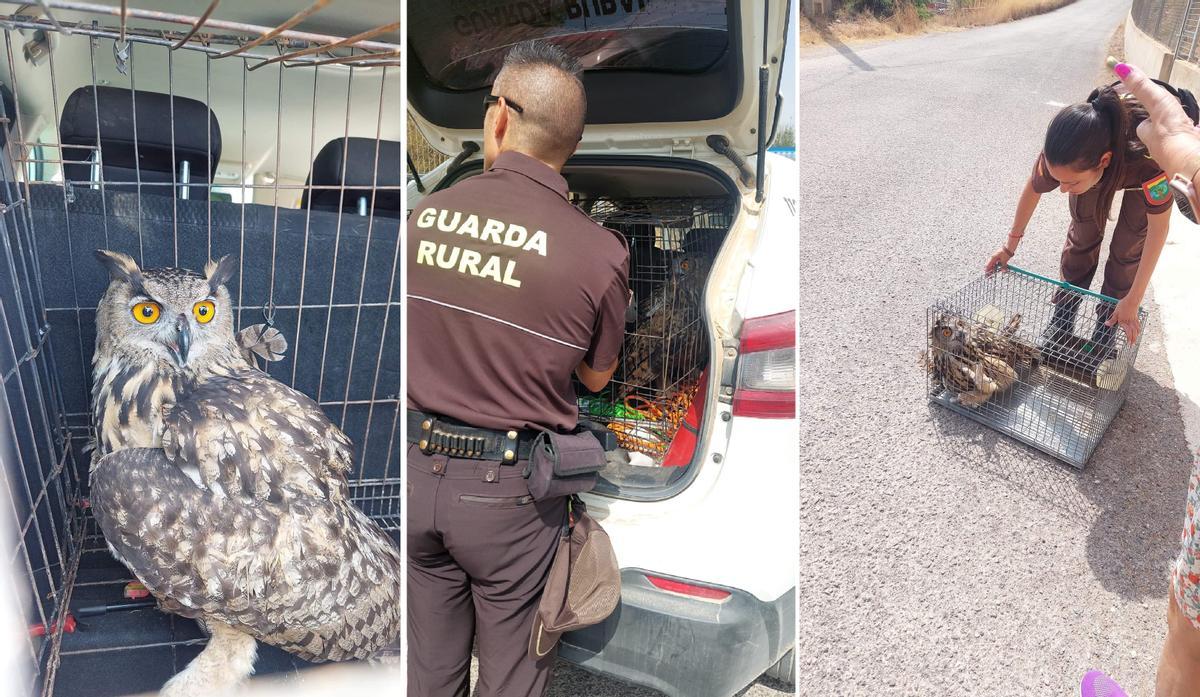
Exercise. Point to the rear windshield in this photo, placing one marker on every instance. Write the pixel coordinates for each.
(461, 43)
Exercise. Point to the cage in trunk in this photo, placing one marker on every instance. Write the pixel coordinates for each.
(111, 139)
(1032, 358)
(673, 242)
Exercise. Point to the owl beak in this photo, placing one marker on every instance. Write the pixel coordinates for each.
(182, 341)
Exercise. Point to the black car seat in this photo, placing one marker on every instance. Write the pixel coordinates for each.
(196, 140)
(359, 157)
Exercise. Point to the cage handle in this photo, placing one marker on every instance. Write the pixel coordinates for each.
(1062, 284)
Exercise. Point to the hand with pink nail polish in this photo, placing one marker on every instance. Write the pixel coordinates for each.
(1168, 133)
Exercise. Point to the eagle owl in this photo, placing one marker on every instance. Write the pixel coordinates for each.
(224, 490)
(974, 361)
(666, 344)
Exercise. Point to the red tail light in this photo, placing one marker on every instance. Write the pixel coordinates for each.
(693, 590)
(766, 375)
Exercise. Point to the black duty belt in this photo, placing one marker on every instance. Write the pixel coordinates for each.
(437, 436)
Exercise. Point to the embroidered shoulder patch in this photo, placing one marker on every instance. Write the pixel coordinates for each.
(1157, 190)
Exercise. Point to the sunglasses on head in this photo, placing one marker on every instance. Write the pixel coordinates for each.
(490, 99)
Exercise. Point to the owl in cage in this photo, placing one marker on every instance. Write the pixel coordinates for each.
(667, 342)
(223, 490)
(975, 361)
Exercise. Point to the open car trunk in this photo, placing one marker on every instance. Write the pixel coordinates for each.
(675, 216)
(660, 76)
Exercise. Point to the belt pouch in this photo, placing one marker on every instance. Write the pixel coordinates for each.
(563, 464)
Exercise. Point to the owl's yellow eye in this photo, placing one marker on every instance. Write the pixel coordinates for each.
(147, 312)
(204, 311)
(946, 332)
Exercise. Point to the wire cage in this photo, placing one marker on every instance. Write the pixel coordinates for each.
(1032, 358)
(177, 139)
(672, 245)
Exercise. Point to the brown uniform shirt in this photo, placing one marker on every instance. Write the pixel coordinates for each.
(510, 287)
(1139, 173)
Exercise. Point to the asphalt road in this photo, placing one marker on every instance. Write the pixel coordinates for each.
(937, 557)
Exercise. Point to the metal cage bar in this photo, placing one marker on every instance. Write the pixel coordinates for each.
(196, 25)
(287, 24)
(353, 40)
(192, 21)
(45, 479)
(329, 270)
(1032, 358)
(374, 52)
(673, 243)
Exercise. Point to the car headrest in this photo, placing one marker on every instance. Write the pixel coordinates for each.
(360, 171)
(196, 136)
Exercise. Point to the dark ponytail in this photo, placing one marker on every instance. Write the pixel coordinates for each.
(1080, 135)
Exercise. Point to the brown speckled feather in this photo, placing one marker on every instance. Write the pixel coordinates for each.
(260, 342)
(257, 438)
(224, 490)
(307, 574)
(974, 361)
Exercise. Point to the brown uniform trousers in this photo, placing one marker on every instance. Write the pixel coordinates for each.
(1081, 252)
(479, 551)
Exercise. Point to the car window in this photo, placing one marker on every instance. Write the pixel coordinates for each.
(462, 43)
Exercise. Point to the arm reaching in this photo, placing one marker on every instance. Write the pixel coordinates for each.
(1026, 205)
(1126, 312)
(594, 380)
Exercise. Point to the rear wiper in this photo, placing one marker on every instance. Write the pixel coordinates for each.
(720, 145)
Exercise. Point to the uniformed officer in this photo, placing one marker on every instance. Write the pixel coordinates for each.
(1092, 153)
(511, 290)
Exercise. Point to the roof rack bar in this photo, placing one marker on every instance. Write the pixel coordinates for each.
(394, 26)
(199, 23)
(293, 21)
(172, 18)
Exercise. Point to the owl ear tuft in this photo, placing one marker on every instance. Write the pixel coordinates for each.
(121, 267)
(220, 271)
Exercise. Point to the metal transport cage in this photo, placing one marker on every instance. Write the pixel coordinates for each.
(176, 139)
(1032, 358)
(672, 245)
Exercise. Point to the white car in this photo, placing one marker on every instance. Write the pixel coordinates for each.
(682, 96)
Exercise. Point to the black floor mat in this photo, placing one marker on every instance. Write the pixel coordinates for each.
(125, 652)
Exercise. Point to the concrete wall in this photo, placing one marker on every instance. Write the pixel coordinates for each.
(1156, 59)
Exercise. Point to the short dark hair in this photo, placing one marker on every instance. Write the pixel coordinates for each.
(546, 81)
(534, 52)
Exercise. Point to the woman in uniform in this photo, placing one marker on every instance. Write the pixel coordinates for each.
(1092, 153)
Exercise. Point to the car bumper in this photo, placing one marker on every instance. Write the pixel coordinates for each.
(685, 646)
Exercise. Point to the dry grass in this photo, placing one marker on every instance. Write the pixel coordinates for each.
(847, 27)
(1001, 11)
(906, 19)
